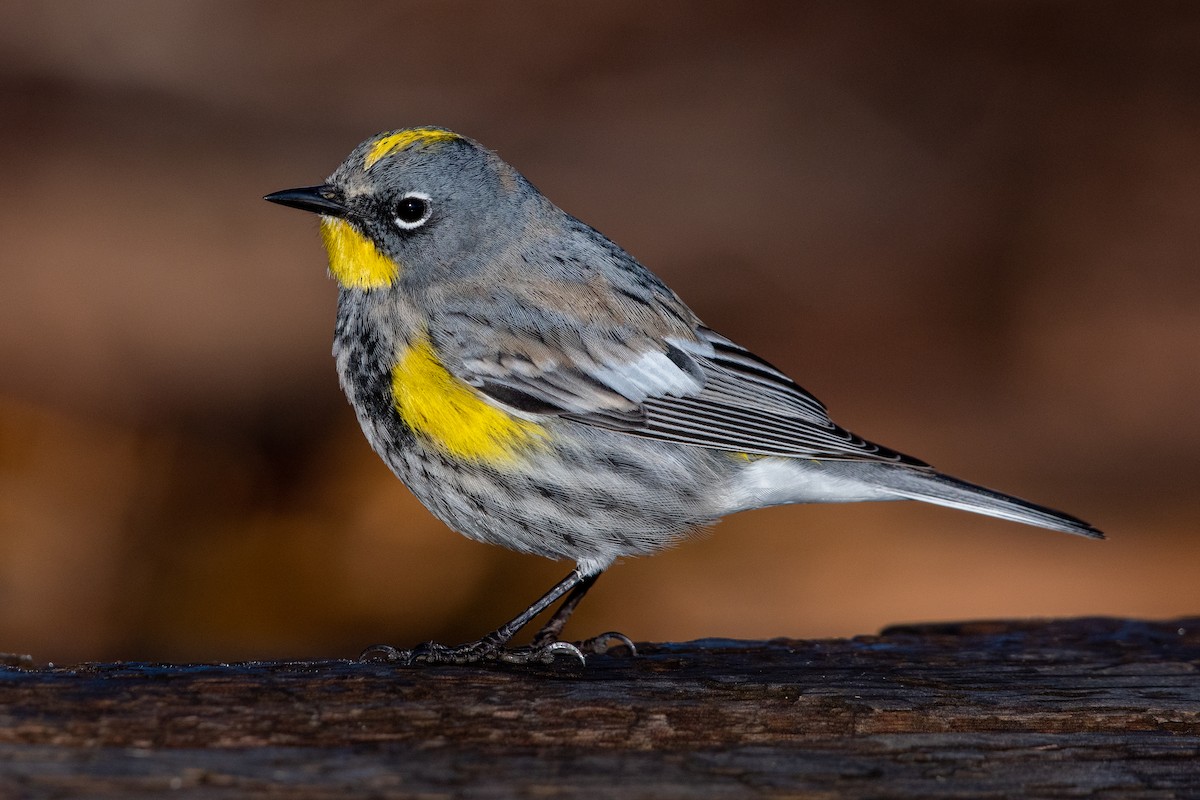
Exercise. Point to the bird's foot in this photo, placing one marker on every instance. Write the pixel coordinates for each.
(595, 646)
(486, 649)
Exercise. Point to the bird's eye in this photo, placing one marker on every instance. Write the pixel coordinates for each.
(412, 211)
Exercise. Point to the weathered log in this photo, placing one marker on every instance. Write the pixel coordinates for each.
(1087, 707)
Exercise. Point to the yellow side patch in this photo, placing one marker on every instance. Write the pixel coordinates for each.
(403, 139)
(353, 258)
(451, 416)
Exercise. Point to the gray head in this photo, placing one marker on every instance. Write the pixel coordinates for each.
(415, 204)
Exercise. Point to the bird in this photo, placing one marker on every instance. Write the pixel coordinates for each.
(536, 387)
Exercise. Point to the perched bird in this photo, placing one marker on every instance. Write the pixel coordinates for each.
(538, 388)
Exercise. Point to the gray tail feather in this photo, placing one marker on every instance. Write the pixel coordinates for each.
(943, 490)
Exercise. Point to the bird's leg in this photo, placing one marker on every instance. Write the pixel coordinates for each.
(492, 647)
(554, 626)
(550, 632)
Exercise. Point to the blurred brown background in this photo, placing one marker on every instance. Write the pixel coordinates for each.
(973, 229)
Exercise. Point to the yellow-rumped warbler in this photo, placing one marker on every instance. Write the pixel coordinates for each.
(538, 388)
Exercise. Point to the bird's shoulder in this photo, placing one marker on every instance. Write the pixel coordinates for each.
(563, 334)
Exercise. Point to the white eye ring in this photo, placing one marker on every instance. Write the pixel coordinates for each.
(412, 211)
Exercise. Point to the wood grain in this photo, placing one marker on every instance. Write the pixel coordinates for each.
(1086, 707)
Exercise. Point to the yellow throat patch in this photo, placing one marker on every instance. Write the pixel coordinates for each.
(403, 139)
(451, 416)
(353, 258)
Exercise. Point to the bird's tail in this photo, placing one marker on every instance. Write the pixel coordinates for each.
(944, 490)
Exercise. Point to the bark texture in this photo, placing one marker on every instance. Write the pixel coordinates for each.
(1073, 708)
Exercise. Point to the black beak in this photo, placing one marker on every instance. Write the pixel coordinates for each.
(324, 199)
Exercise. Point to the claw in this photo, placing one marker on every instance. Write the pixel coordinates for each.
(385, 654)
(549, 652)
(599, 645)
(541, 654)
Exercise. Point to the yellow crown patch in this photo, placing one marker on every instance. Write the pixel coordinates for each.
(403, 139)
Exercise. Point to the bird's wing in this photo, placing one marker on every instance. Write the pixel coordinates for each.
(599, 362)
(749, 406)
(573, 326)
(681, 383)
